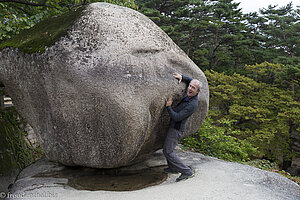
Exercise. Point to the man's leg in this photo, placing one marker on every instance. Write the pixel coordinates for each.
(174, 162)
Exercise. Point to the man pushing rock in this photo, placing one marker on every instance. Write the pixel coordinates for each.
(179, 116)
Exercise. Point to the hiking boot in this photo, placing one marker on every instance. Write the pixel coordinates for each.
(170, 171)
(192, 169)
(184, 177)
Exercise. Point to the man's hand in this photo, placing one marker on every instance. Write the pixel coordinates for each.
(169, 101)
(177, 76)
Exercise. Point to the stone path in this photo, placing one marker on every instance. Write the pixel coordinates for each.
(214, 180)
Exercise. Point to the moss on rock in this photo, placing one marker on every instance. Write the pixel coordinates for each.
(43, 34)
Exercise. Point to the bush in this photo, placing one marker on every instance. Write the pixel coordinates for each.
(216, 141)
(262, 114)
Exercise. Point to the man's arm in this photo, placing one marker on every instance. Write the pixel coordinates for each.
(182, 77)
(181, 115)
(186, 79)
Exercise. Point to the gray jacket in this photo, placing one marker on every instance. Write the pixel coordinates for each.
(183, 110)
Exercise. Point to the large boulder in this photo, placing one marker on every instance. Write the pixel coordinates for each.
(96, 97)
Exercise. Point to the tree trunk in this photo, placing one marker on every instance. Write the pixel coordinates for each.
(237, 62)
(293, 86)
(213, 56)
(189, 43)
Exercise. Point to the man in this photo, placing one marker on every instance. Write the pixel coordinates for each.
(179, 116)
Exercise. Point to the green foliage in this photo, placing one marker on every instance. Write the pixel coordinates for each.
(264, 72)
(282, 31)
(216, 35)
(15, 17)
(205, 30)
(43, 34)
(262, 164)
(263, 113)
(217, 141)
(125, 3)
(15, 151)
(282, 76)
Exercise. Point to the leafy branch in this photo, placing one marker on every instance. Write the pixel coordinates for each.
(44, 4)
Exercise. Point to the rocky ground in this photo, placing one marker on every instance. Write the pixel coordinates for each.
(214, 180)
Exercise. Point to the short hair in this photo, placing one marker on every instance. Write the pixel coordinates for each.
(198, 83)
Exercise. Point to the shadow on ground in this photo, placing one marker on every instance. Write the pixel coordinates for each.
(91, 179)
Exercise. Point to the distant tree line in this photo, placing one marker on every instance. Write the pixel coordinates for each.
(216, 35)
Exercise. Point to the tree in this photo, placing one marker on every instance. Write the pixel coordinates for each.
(214, 140)
(205, 30)
(283, 39)
(263, 114)
(291, 76)
(254, 22)
(282, 30)
(225, 30)
(216, 35)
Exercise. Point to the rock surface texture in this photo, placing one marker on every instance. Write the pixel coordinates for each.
(214, 180)
(96, 97)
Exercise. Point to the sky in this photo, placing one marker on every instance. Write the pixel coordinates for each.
(254, 5)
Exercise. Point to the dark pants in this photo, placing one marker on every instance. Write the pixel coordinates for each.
(174, 162)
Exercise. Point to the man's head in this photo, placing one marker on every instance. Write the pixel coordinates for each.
(194, 88)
